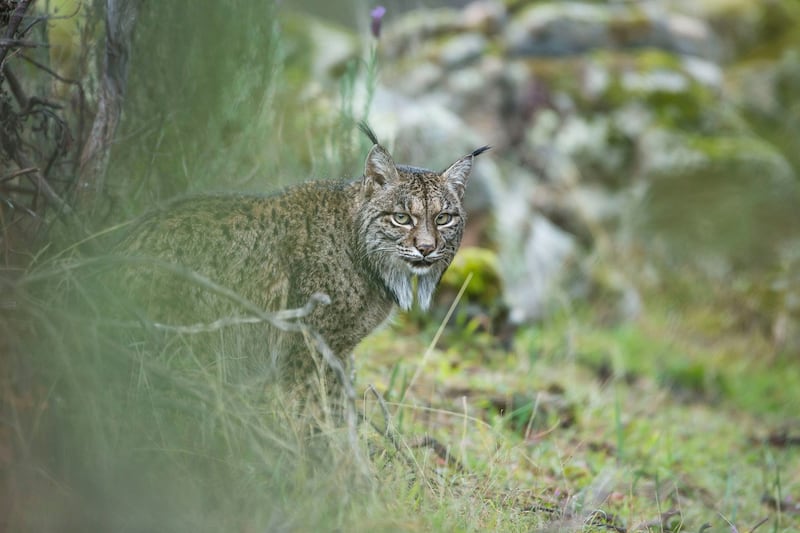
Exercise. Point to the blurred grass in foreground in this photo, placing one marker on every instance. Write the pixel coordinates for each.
(114, 436)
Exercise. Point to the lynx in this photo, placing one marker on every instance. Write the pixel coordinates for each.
(361, 243)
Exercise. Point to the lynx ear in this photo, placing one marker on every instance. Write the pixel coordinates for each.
(379, 169)
(456, 176)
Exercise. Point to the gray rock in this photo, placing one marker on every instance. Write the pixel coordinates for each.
(569, 28)
(534, 254)
(461, 50)
(632, 119)
(704, 72)
(740, 25)
(596, 205)
(670, 153)
(596, 80)
(558, 29)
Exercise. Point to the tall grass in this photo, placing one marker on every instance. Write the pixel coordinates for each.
(114, 429)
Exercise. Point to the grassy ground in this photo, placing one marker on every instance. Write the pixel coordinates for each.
(662, 424)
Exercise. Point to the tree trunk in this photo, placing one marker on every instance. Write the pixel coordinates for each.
(120, 21)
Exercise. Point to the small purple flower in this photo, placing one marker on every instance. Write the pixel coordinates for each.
(377, 16)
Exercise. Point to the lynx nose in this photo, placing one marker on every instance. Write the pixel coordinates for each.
(425, 247)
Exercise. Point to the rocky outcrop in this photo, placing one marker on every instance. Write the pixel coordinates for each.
(670, 126)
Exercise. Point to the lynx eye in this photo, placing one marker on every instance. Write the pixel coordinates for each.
(442, 219)
(401, 219)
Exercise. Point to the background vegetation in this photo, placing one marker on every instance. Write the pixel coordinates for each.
(680, 416)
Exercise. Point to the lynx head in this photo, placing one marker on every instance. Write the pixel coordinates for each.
(411, 221)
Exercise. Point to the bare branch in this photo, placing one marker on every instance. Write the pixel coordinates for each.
(16, 173)
(42, 184)
(21, 43)
(50, 71)
(16, 87)
(13, 24)
(16, 205)
(279, 319)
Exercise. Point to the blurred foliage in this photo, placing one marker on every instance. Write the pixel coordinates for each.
(200, 92)
(215, 103)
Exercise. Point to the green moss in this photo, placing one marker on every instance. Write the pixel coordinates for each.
(651, 59)
(485, 285)
(682, 110)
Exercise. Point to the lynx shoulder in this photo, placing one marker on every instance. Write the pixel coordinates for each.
(361, 243)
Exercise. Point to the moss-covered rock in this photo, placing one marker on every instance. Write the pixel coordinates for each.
(482, 267)
(413, 29)
(569, 28)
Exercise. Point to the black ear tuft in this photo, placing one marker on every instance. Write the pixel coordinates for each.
(456, 176)
(364, 127)
(480, 150)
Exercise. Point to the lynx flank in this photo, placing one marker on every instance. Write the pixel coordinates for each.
(360, 242)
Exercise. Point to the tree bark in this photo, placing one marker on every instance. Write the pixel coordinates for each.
(120, 22)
